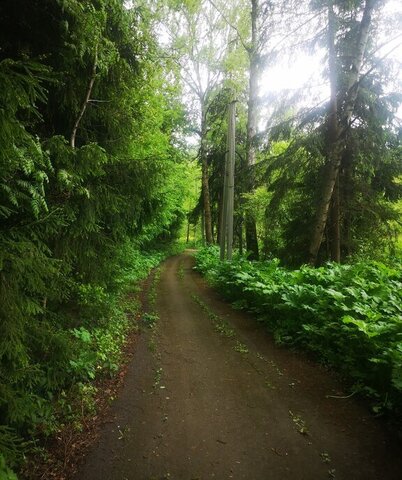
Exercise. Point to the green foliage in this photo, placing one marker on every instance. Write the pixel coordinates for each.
(220, 324)
(11, 447)
(24, 166)
(5, 472)
(350, 316)
(79, 226)
(150, 319)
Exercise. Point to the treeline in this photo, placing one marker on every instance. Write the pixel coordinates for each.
(89, 177)
(317, 176)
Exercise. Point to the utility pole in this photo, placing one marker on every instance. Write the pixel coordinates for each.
(223, 227)
(228, 188)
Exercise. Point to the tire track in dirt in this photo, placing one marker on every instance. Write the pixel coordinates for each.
(209, 404)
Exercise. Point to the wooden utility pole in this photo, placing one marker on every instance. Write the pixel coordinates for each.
(223, 226)
(228, 189)
(253, 52)
(231, 168)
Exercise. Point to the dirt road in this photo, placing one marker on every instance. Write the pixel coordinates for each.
(209, 395)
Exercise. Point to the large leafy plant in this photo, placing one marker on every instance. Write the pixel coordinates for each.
(350, 316)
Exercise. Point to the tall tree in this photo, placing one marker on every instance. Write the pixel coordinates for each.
(254, 54)
(198, 39)
(256, 25)
(342, 105)
(226, 231)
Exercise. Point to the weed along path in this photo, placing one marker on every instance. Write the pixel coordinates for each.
(209, 395)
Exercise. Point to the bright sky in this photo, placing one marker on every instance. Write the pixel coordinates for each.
(289, 77)
(306, 70)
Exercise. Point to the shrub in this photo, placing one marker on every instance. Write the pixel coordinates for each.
(349, 316)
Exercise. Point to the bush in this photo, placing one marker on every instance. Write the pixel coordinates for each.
(64, 353)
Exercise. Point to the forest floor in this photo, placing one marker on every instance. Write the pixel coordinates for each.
(209, 395)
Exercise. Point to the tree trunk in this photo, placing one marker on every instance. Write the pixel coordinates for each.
(230, 178)
(226, 238)
(219, 217)
(203, 228)
(205, 182)
(357, 62)
(251, 229)
(331, 169)
(86, 100)
(336, 134)
(240, 235)
(346, 200)
(188, 230)
(335, 237)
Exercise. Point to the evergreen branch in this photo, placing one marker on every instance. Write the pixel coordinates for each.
(292, 32)
(37, 222)
(245, 46)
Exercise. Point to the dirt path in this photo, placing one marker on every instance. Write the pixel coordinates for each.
(208, 399)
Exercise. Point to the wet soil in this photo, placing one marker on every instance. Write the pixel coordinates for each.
(198, 403)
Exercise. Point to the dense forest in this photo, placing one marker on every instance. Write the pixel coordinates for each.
(128, 125)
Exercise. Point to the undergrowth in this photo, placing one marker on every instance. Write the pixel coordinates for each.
(54, 385)
(349, 316)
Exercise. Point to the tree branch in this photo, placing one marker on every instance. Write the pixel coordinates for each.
(86, 100)
(246, 47)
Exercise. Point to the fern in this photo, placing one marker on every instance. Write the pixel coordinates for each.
(11, 447)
